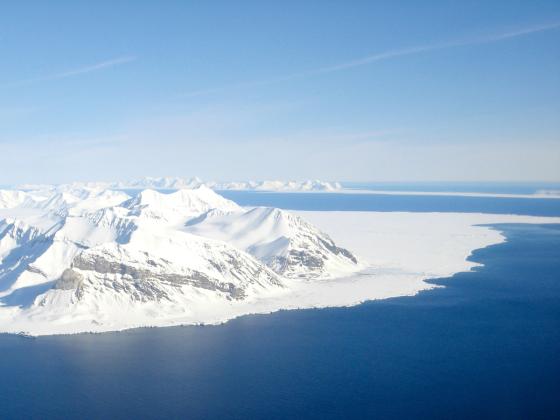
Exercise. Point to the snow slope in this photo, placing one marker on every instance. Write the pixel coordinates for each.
(10, 198)
(285, 242)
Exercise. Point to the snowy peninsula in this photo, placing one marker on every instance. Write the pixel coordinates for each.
(88, 259)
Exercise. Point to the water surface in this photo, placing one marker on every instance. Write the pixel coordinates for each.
(380, 202)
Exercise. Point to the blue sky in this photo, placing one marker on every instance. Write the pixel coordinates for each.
(356, 91)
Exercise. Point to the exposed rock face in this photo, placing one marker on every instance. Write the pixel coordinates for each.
(304, 261)
(310, 252)
(148, 277)
(69, 280)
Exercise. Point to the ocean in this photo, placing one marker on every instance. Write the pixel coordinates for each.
(315, 201)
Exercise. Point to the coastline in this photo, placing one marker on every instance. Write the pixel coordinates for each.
(402, 250)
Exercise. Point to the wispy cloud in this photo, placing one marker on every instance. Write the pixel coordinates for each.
(73, 72)
(387, 55)
(94, 67)
(488, 39)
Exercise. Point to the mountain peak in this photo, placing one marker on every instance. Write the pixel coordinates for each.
(178, 206)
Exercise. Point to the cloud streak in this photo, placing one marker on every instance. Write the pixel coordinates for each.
(73, 72)
(489, 39)
(387, 55)
(95, 67)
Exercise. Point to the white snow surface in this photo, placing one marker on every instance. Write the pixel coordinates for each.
(11, 198)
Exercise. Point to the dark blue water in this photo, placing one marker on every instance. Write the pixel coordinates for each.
(486, 346)
(380, 202)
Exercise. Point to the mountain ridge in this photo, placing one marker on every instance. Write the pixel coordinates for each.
(177, 183)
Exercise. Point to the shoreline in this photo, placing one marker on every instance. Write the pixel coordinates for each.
(403, 251)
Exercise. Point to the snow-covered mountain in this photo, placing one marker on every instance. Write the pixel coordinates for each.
(180, 205)
(175, 183)
(9, 198)
(285, 242)
(86, 254)
(286, 186)
(171, 183)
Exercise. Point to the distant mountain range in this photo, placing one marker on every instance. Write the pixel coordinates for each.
(172, 183)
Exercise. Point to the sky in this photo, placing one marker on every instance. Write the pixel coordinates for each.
(333, 90)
